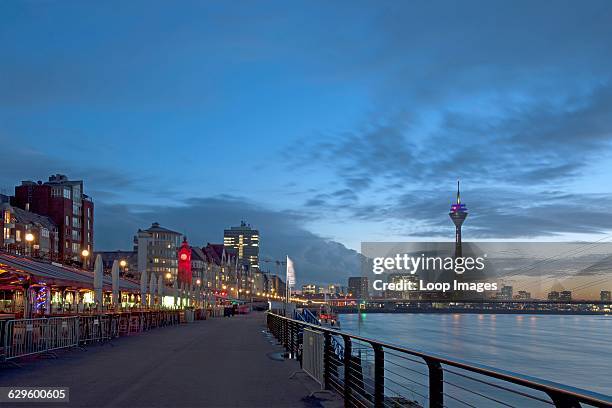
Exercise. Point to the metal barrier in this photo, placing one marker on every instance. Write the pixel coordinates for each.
(27, 337)
(97, 328)
(313, 355)
(369, 373)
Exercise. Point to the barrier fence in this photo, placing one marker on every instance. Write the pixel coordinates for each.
(369, 373)
(26, 337)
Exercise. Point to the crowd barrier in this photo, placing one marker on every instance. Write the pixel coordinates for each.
(26, 337)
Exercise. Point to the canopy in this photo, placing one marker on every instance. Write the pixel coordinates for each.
(15, 271)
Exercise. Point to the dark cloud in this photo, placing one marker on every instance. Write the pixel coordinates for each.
(203, 220)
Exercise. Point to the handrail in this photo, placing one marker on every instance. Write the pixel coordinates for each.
(551, 388)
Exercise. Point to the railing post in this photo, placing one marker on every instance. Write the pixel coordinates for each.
(290, 338)
(327, 353)
(436, 385)
(379, 376)
(286, 334)
(347, 370)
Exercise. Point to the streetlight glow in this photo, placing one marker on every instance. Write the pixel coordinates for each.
(85, 253)
(29, 237)
(122, 263)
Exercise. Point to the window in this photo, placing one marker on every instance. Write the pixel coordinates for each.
(75, 247)
(76, 222)
(7, 217)
(67, 220)
(76, 193)
(67, 192)
(67, 244)
(7, 233)
(45, 233)
(17, 235)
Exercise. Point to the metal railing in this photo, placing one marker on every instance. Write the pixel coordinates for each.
(371, 373)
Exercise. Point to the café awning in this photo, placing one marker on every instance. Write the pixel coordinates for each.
(15, 270)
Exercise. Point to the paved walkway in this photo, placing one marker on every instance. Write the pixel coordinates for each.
(221, 362)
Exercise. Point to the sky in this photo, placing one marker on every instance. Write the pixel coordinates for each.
(323, 124)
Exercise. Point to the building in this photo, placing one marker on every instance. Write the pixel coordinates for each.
(523, 295)
(244, 242)
(358, 287)
(553, 295)
(605, 296)
(458, 213)
(276, 285)
(72, 211)
(157, 251)
(565, 295)
(199, 266)
(27, 233)
(309, 289)
(406, 280)
(506, 293)
(128, 262)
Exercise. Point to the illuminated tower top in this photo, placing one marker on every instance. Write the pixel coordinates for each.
(458, 211)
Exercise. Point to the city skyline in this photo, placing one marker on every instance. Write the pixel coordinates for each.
(337, 132)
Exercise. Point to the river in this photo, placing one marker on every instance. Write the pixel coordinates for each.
(573, 350)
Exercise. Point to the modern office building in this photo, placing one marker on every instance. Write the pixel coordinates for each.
(565, 295)
(506, 293)
(404, 279)
(358, 287)
(157, 249)
(72, 211)
(605, 296)
(309, 289)
(244, 242)
(458, 213)
(553, 295)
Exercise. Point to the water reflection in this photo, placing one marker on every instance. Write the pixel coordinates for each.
(573, 350)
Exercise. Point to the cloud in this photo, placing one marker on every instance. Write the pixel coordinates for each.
(512, 156)
(203, 220)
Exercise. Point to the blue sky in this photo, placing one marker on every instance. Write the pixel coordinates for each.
(323, 124)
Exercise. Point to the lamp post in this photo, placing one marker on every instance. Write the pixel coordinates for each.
(85, 255)
(29, 237)
(123, 265)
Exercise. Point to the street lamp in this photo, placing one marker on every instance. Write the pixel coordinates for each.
(29, 237)
(123, 263)
(85, 254)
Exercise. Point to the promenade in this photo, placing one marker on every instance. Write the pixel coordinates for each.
(220, 362)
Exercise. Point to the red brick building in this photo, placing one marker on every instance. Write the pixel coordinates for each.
(71, 210)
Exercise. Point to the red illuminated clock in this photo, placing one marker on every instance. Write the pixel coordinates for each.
(184, 263)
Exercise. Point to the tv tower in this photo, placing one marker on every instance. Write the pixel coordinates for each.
(458, 213)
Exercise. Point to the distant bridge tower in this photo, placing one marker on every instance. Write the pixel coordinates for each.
(458, 213)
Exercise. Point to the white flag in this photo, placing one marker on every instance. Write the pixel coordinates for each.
(290, 273)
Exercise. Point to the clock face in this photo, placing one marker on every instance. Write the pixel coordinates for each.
(183, 257)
